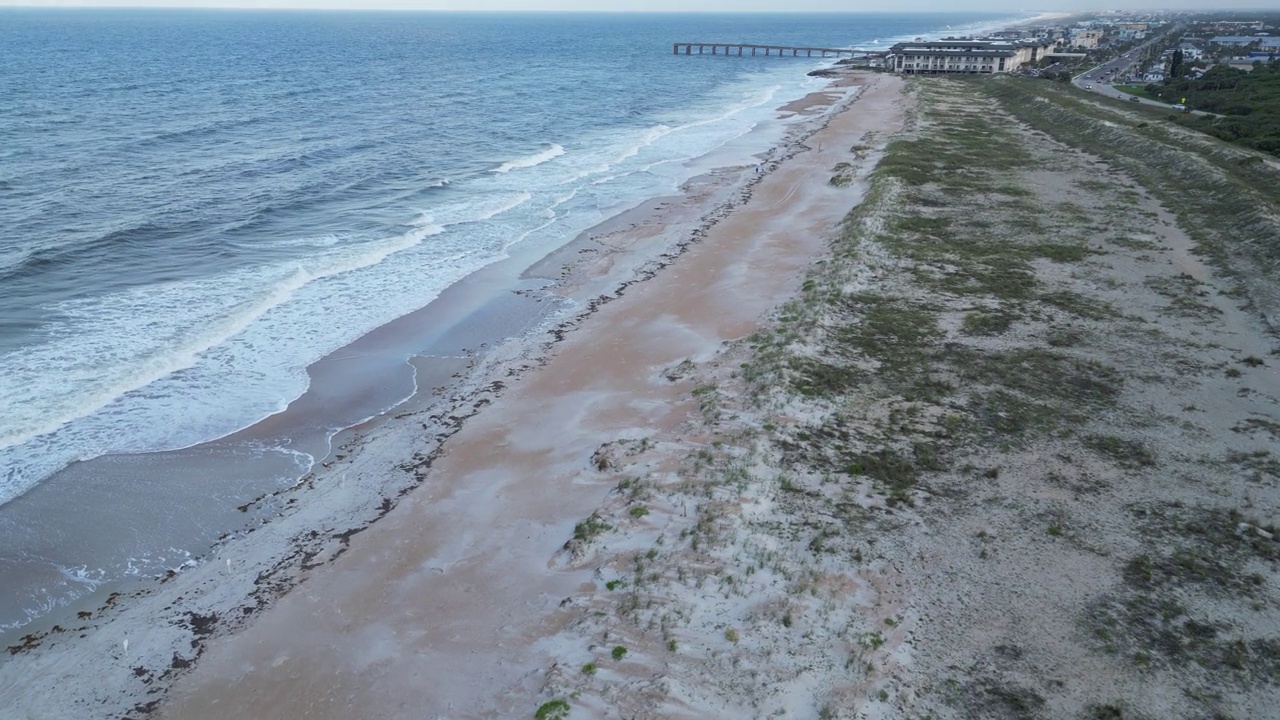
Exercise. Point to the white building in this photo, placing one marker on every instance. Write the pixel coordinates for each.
(954, 55)
(1265, 42)
(1191, 52)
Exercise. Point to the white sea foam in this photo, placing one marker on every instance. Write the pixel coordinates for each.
(650, 136)
(121, 357)
(534, 160)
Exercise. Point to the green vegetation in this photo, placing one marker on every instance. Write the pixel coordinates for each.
(1148, 618)
(588, 529)
(988, 322)
(619, 652)
(552, 710)
(1220, 195)
(1129, 454)
(1139, 90)
(1248, 101)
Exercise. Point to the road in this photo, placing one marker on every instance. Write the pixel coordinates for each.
(1093, 78)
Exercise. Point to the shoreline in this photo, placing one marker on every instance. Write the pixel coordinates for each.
(707, 200)
(350, 390)
(461, 582)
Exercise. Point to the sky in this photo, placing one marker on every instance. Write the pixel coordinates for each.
(674, 5)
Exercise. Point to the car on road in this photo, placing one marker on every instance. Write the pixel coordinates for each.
(1088, 87)
(1134, 98)
(1179, 107)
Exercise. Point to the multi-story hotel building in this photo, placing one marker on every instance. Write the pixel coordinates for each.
(963, 56)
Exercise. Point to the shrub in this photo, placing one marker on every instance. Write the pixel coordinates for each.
(557, 709)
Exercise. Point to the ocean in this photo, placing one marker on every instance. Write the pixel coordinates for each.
(198, 205)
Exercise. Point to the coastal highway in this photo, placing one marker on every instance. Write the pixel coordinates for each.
(1099, 78)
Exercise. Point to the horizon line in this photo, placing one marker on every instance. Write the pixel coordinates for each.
(344, 8)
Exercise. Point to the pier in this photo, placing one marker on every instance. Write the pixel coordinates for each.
(768, 49)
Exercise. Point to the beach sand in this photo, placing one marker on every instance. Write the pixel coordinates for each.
(438, 609)
(447, 605)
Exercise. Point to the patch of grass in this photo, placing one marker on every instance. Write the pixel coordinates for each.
(1185, 296)
(1077, 304)
(817, 378)
(936, 226)
(1258, 462)
(1001, 277)
(1251, 425)
(588, 529)
(871, 640)
(886, 324)
(1064, 337)
(638, 512)
(589, 669)
(987, 322)
(991, 698)
(619, 652)
(895, 473)
(1006, 414)
(1044, 375)
(1130, 454)
(1060, 252)
(557, 709)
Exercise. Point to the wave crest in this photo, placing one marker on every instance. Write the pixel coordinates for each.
(529, 161)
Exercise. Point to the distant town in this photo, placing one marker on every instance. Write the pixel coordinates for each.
(1217, 73)
(1052, 49)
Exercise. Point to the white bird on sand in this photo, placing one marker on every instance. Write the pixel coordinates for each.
(125, 645)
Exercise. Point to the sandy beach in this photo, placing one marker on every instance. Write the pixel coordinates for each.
(444, 606)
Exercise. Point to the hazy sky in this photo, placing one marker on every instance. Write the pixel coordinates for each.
(674, 5)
